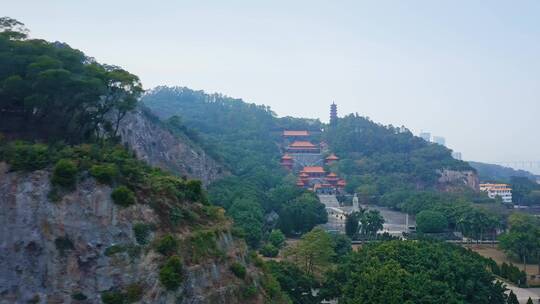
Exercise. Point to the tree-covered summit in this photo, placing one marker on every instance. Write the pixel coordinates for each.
(51, 91)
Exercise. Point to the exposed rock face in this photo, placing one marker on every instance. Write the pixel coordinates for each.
(50, 251)
(468, 178)
(159, 147)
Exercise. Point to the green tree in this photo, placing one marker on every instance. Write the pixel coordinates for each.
(352, 224)
(277, 238)
(522, 240)
(302, 214)
(294, 282)
(371, 222)
(248, 215)
(512, 299)
(313, 253)
(428, 221)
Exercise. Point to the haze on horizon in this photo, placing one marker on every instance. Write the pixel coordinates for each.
(468, 71)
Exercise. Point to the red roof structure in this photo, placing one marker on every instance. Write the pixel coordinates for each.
(286, 157)
(332, 157)
(313, 170)
(302, 144)
(295, 133)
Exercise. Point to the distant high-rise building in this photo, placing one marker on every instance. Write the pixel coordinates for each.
(439, 140)
(333, 114)
(425, 136)
(456, 155)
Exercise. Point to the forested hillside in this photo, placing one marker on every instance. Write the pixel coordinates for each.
(491, 172)
(245, 138)
(83, 220)
(386, 157)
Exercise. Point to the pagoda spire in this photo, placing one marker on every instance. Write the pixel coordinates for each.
(333, 114)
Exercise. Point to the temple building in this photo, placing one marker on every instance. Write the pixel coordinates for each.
(303, 147)
(287, 162)
(330, 159)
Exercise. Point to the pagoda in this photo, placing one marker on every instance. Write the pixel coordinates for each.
(333, 114)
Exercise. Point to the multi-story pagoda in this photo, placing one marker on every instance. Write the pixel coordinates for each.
(333, 114)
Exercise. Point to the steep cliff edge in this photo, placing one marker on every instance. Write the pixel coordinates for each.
(159, 147)
(84, 246)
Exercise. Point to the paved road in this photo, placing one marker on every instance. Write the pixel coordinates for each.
(523, 294)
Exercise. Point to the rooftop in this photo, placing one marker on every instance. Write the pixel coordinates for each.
(302, 144)
(286, 156)
(313, 170)
(295, 133)
(332, 157)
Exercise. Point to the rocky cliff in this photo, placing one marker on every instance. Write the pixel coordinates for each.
(159, 147)
(468, 178)
(74, 250)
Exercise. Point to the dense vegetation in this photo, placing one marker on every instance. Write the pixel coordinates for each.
(49, 90)
(244, 136)
(381, 158)
(59, 112)
(522, 241)
(491, 172)
(413, 272)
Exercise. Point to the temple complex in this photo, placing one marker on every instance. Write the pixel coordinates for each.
(305, 158)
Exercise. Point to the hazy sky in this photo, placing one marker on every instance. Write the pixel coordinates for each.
(466, 70)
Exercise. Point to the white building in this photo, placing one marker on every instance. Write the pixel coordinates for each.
(502, 190)
(439, 140)
(425, 136)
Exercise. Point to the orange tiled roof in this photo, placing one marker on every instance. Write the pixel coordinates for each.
(295, 133)
(332, 157)
(313, 170)
(286, 156)
(332, 174)
(302, 144)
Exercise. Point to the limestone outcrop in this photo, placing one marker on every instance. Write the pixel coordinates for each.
(160, 148)
(61, 252)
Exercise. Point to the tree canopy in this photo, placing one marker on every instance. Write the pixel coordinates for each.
(49, 90)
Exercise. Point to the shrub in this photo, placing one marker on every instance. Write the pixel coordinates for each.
(123, 196)
(28, 157)
(239, 270)
(170, 274)
(269, 251)
(249, 291)
(105, 173)
(63, 244)
(64, 173)
(79, 296)
(167, 245)
(112, 297)
(141, 232)
(114, 249)
(202, 244)
(133, 292)
(277, 238)
(194, 191)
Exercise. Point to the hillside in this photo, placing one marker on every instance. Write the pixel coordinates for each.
(84, 220)
(491, 172)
